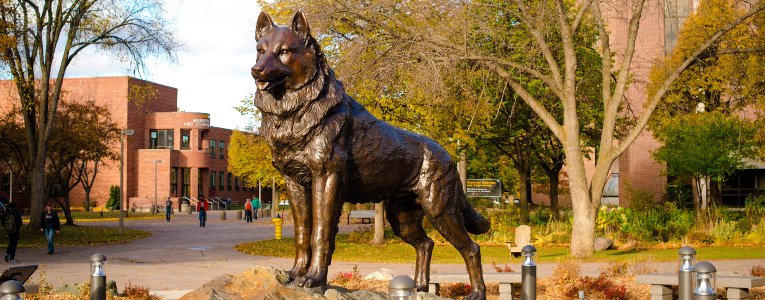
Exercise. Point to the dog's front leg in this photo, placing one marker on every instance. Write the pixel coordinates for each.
(327, 201)
(301, 216)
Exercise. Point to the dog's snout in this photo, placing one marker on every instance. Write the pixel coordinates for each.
(255, 71)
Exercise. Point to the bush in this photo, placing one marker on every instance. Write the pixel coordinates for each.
(455, 290)
(754, 208)
(114, 198)
(600, 286)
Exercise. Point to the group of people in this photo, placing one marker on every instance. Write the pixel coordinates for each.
(10, 219)
(251, 208)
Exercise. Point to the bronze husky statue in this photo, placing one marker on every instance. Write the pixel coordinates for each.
(331, 150)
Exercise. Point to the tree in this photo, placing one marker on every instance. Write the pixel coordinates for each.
(40, 39)
(416, 34)
(707, 145)
(725, 80)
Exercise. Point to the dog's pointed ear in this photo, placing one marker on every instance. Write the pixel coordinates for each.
(264, 24)
(300, 25)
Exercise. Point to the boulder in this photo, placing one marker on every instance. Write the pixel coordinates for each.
(381, 274)
(603, 244)
(267, 283)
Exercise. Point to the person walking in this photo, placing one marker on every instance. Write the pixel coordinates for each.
(202, 209)
(248, 211)
(12, 224)
(255, 207)
(168, 208)
(50, 224)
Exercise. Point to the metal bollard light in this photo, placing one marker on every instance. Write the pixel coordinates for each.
(11, 290)
(98, 277)
(685, 273)
(402, 288)
(705, 284)
(528, 274)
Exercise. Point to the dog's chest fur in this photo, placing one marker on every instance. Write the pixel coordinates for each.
(303, 127)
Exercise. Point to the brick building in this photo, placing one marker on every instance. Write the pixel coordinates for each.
(170, 153)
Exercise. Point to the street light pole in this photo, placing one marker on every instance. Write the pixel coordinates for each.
(158, 161)
(123, 133)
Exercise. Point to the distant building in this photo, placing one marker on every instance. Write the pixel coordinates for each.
(178, 154)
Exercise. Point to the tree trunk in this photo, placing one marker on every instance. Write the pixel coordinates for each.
(462, 170)
(87, 198)
(553, 176)
(525, 189)
(67, 210)
(379, 224)
(37, 193)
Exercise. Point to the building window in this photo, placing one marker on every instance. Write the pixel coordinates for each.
(213, 180)
(222, 152)
(236, 184)
(185, 139)
(186, 182)
(161, 139)
(174, 182)
(228, 181)
(213, 145)
(221, 181)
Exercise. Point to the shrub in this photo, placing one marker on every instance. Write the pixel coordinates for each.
(600, 286)
(698, 236)
(724, 231)
(757, 271)
(501, 269)
(455, 290)
(615, 268)
(642, 265)
(757, 234)
(134, 292)
(114, 198)
(343, 278)
(754, 208)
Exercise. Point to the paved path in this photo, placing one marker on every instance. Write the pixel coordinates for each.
(182, 256)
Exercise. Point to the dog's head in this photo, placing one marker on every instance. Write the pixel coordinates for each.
(288, 57)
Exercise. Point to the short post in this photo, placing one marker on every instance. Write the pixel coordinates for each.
(581, 295)
(12, 290)
(98, 277)
(238, 214)
(685, 273)
(528, 274)
(223, 215)
(402, 288)
(704, 288)
(277, 227)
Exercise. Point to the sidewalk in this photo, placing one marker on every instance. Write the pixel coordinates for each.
(181, 256)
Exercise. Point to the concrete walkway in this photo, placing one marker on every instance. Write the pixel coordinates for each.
(182, 256)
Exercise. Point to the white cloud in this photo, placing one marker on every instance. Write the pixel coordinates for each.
(213, 70)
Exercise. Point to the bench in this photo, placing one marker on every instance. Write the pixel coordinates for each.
(522, 238)
(736, 287)
(364, 215)
(505, 281)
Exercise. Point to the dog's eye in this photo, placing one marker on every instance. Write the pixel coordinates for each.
(260, 50)
(284, 52)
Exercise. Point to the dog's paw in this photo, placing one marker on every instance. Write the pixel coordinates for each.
(307, 281)
(475, 295)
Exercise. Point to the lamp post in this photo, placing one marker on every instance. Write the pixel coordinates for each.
(97, 277)
(402, 288)
(156, 162)
(685, 273)
(12, 290)
(123, 133)
(528, 274)
(704, 288)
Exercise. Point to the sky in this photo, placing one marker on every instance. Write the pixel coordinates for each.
(212, 73)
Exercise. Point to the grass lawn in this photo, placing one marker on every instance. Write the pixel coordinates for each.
(393, 252)
(76, 236)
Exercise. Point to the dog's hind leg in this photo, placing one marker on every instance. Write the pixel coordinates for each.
(301, 216)
(405, 219)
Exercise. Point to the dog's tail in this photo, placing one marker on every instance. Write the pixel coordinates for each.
(475, 223)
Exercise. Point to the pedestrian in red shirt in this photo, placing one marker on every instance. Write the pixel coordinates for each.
(202, 209)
